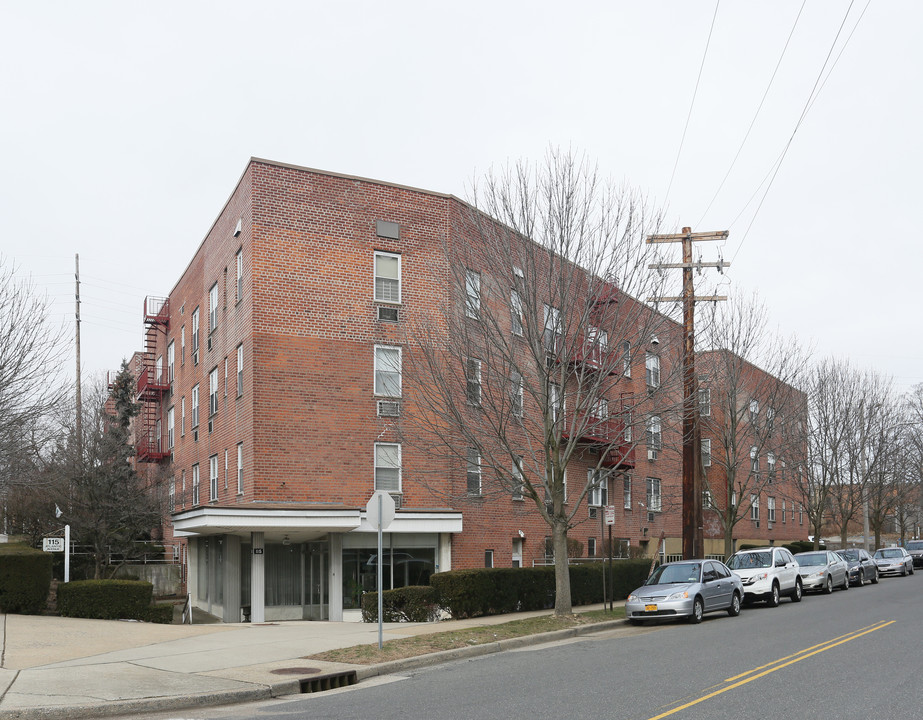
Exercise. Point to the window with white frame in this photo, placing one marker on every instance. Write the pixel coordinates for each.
(706, 452)
(516, 318)
(626, 418)
(158, 370)
(516, 393)
(182, 497)
(225, 377)
(770, 509)
(704, 401)
(213, 392)
(800, 514)
(771, 467)
(708, 502)
(626, 358)
(182, 416)
(754, 507)
(600, 410)
(626, 491)
(170, 427)
(388, 467)
(734, 499)
(591, 547)
(554, 402)
(387, 277)
(213, 307)
(171, 359)
(240, 370)
(770, 417)
(473, 472)
(654, 435)
(653, 495)
(488, 558)
(783, 512)
(387, 371)
(225, 468)
(195, 406)
(195, 336)
(213, 478)
(473, 381)
(182, 345)
(597, 338)
(754, 410)
(240, 468)
(598, 481)
(172, 493)
(754, 459)
(552, 333)
(518, 479)
(652, 370)
(472, 294)
(195, 484)
(239, 267)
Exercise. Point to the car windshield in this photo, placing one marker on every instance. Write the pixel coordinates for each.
(915, 545)
(848, 554)
(675, 573)
(812, 559)
(751, 560)
(890, 553)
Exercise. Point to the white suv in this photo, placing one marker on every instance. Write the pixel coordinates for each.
(767, 574)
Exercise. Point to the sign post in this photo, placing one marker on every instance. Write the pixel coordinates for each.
(380, 512)
(610, 521)
(56, 544)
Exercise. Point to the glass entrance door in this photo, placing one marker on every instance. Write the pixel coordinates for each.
(316, 591)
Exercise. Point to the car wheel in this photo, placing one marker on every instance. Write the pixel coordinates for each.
(828, 586)
(774, 596)
(874, 580)
(799, 591)
(846, 581)
(903, 571)
(861, 577)
(698, 610)
(734, 610)
(911, 569)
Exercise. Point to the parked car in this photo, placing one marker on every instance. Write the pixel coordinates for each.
(823, 570)
(862, 567)
(767, 574)
(893, 561)
(686, 588)
(915, 548)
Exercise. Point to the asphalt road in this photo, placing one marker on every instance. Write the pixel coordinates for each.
(853, 654)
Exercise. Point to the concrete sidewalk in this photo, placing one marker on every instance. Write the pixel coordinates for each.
(53, 667)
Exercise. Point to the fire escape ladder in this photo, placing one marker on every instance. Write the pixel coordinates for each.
(153, 383)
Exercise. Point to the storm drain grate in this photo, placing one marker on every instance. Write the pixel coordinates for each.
(330, 681)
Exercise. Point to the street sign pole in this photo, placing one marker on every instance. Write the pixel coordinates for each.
(379, 512)
(67, 553)
(380, 583)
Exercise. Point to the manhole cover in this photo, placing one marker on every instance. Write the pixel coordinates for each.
(295, 671)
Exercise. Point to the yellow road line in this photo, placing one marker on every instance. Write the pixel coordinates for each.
(798, 657)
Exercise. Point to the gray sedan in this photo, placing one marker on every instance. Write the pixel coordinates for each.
(893, 561)
(688, 588)
(823, 570)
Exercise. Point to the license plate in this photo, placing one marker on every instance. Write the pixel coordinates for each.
(650, 608)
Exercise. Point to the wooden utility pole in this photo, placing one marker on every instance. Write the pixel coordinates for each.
(693, 526)
(79, 420)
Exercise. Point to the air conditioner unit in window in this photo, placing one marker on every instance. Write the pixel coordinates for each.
(387, 314)
(594, 512)
(769, 526)
(651, 454)
(650, 517)
(389, 408)
(398, 500)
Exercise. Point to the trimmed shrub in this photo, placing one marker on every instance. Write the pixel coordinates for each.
(413, 603)
(160, 613)
(25, 576)
(106, 599)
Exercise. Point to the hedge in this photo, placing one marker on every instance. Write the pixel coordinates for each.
(160, 613)
(106, 599)
(25, 576)
(413, 603)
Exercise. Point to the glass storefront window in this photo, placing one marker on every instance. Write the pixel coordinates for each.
(401, 567)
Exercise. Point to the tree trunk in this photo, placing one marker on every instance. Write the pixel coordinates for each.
(728, 541)
(562, 601)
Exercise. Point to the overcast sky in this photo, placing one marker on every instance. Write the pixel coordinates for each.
(125, 127)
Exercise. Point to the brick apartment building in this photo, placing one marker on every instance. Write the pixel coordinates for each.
(272, 399)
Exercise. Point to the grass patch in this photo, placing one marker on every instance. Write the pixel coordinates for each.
(431, 642)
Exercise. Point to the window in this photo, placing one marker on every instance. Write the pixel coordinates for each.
(182, 416)
(474, 472)
(170, 429)
(653, 494)
(734, 499)
(518, 480)
(800, 514)
(182, 345)
(225, 469)
(195, 484)
(195, 406)
(754, 507)
(387, 371)
(516, 392)
(158, 369)
(783, 511)
(171, 356)
(706, 452)
(213, 308)
(598, 480)
(771, 467)
(597, 338)
(195, 336)
(240, 468)
(591, 547)
(172, 494)
(626, 418)
(652, 368)
(754, 460)
(213, 392)
(707, 502)
(552, 333)
(600, 410)
(239, 265)
(554, 402)
(626, 492)
(240, 370)
(626, 358)
(225, 377)
(183, 489)
(473, 381)
(704, 401)
(387, 277)
(472, 294)
(770, 416)
(771, 509)
(213, 477)
(488, 558)
(654, 436)
(754, 410)
(388, 467)
(515, 312)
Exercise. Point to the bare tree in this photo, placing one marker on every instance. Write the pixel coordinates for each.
(752, 415)
(527, 371)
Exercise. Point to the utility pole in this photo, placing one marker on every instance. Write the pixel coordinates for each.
(79, 420)
(693, 526)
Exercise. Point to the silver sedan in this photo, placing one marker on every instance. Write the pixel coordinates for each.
(688, 588)
(822, 570)
(893, 561)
